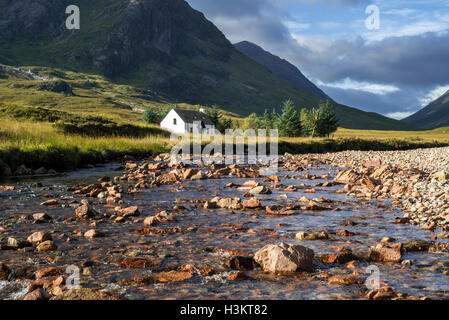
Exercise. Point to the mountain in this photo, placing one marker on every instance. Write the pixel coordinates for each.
(163, 47)
(280, 68)
(435, 115)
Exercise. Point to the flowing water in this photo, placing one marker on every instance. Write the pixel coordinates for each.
(205, 237)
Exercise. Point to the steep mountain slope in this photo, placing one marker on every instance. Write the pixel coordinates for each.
(164, 47)
(435, 115)
(280, 68)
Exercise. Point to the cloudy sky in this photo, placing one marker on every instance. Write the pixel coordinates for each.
(394, 69)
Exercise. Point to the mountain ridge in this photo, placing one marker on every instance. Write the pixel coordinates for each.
(434, 115)
(281, 68)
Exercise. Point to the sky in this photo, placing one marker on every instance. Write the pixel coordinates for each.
(385, 56)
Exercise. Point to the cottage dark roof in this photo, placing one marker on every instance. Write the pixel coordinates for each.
(190, 116)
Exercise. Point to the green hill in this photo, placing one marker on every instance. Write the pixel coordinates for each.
(163, 48)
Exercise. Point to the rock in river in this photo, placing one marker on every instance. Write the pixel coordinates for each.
(285, 258)
(39, 237)
(386, 253)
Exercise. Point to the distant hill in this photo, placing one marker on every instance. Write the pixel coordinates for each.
(280, 68)
(165, 48)
(435, 115)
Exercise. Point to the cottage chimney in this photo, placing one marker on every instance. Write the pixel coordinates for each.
(202, 110)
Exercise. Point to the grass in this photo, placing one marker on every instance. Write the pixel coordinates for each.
(37, 144)
(102, 122)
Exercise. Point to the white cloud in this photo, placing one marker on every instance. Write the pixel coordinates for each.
(433, 95)
(400, 12)
(399, 115)
(349, 84)
(296, 26)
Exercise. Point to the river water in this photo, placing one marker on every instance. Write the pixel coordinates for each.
(206, 237)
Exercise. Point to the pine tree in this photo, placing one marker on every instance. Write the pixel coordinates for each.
(329, 121)
(266, 122)
(289, 122)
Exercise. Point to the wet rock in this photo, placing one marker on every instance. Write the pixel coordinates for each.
(39, 237)
(47, 272)
(130, 212)
(384, 293)
(260, 190)
(172, 276)
(285, 258)
(252, 203)
(198, 176)
(344, 280)
(52, 202)
(18, 244)
(41, 218)
(340, 258)
(241, 263)
(312, 236)
(189, 173)
(85, 211)
(93, 233)
(4, 271)
(386, 253)
(140, 263)
(35, 295)
(87, 294)
(349, 176)
(7, 188)
(151, 221)
(276, 210)
(239, 276)
(228, 203)
(46, 246)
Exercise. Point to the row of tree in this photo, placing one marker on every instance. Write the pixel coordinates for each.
(316, 122)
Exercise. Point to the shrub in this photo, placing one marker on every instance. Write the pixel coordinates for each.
(152, 116)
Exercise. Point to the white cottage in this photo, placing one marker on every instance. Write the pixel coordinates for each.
(188, 121)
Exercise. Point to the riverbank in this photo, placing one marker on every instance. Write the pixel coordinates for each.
(28, 148)
(418, 181)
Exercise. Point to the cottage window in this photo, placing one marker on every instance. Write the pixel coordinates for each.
(174, 121)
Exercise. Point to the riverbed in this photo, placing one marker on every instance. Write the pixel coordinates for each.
(202, 241)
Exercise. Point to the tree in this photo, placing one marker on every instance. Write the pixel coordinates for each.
(221, 123)
(151, 116)
(251, 122)
(304, 118)
(289, 122)
(329, 121)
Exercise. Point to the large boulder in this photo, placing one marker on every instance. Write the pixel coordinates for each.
(57, 86)
(285, 258)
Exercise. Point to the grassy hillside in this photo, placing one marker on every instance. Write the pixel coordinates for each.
(162, 49)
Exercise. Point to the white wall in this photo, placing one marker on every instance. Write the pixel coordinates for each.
(181, 127)
(168, 124)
